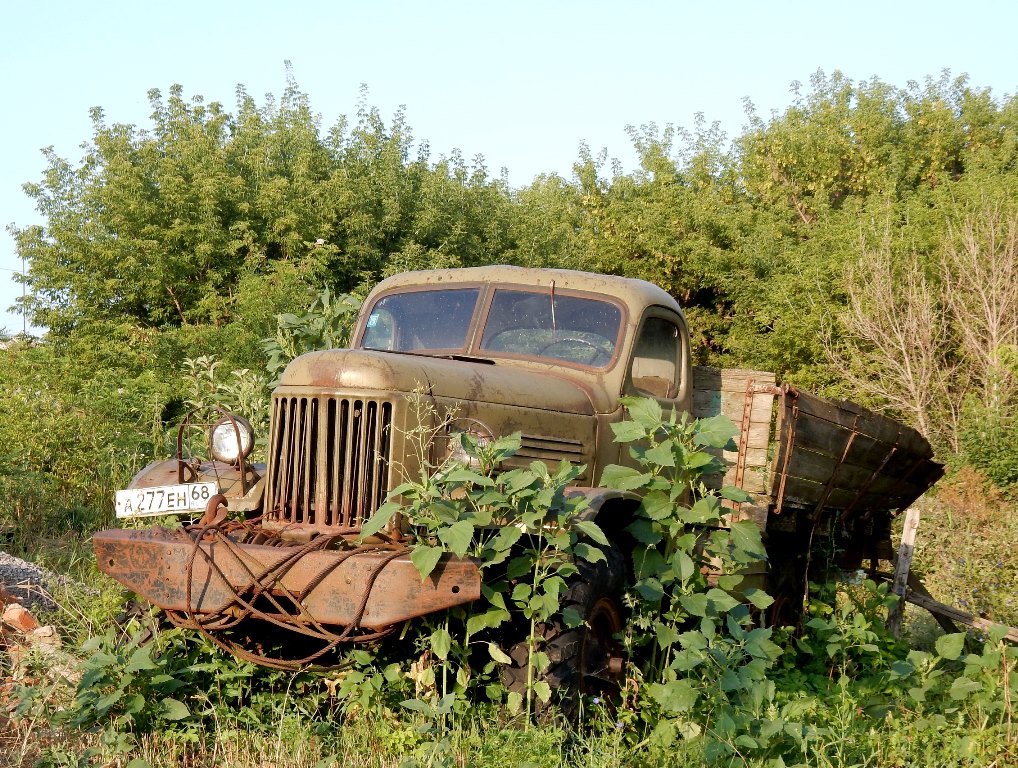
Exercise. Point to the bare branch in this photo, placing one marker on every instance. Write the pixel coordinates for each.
(897, 342)
(979, 264)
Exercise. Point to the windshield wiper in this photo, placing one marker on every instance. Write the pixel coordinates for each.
(416, 353)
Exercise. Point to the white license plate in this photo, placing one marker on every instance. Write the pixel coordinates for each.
(164, 499)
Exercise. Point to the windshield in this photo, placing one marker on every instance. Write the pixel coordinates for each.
(574, 329)
(564, 328)
(421, 321)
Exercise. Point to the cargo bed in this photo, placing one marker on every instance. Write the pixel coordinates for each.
(815, 466)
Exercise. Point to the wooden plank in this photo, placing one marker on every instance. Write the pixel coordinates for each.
(901, 570)
(806, 493)
(919, 588)
(819, 468)
(823, 436)
(713, 402)
(728, 379)
(849, 415)
(934, 607)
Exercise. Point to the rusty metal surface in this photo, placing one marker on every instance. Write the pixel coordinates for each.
(328, 461)
(329, 585)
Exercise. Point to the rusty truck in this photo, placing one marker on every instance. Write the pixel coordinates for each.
(546, 353)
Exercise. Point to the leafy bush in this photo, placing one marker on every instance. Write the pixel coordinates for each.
(327, 324)
(988, 441)
(69, 436)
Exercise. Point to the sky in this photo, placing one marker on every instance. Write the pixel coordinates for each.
(521, 83)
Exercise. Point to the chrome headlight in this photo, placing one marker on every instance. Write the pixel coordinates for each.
(231, 439)
(464, 433)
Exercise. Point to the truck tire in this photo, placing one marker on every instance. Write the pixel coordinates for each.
(585, 660)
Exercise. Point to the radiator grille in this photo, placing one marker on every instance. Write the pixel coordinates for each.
(553, 449)
(328, 461)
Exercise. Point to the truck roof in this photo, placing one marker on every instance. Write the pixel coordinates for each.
(631, 291)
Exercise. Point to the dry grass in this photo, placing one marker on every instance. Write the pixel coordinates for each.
(967, 547)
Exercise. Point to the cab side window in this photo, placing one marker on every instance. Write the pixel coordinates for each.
(655, 367)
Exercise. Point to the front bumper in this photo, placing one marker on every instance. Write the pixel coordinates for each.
(172, 570)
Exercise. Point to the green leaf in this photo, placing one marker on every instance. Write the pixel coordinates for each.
(650, 590)
(950, 646)
(683, 566)
(543, 691)
(172, 709)
(648, 562)
(133, 704)
(490, 619)
(521, 593)
(416, 705)
(656, 505)
(700, 460)
(140, 659)
(519, 566)
(506, 538)
(687, 659)
(758, 598)
(667, 635)
(714, 432)
(729, 581)
(705, 510)
(661, 455)
(517, 480)
(457, 537)
(623, 478)
(696, 603)
(379, 519)
(645, 411)
(589, 553)
(693, 640)
(461, 474)
(962, 687)
(628, 432)
(441, 643)
(731, 681)
(733, 493)
(664, 735)
(760, 646)
(425, 558)
(498, 654)
(902, 668)
(571, 616)
(507, 445)
(592, 531)
(644, 532)
(103, 703)
(746, 536)
(675, 696)
(514, 701)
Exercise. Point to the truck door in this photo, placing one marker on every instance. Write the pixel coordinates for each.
(660, 366)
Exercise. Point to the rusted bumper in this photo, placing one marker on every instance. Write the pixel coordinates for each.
(162, 566)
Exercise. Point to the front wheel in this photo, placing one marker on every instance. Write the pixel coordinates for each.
(585, 660)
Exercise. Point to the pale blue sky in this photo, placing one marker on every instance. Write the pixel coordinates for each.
(521, 83)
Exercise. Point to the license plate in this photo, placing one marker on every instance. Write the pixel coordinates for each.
(164, 499)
